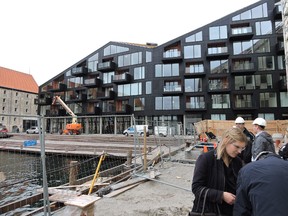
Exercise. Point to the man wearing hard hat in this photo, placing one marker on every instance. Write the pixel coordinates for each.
(263, 140)
(246, 154)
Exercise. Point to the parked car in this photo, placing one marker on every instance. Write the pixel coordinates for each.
(3, 129)
(33, 130)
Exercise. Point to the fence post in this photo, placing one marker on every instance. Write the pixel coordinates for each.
(73, 173)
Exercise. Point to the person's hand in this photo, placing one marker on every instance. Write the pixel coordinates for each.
(229, 198)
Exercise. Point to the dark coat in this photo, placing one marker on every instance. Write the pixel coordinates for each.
(246, 155)
(209, 173)
(262, 188)
(263, 142)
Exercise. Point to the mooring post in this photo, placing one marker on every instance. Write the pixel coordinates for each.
(129, 158)
(73, 173)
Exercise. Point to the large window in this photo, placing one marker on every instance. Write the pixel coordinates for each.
(166, 70)
(113, 49)
(75, 82)
(167, 103)
(281, 62)
(139, 104)
(107, 77)
(220, 101)
(263, 81)
(268, 99)
(256, 12)
(195, 37)
(148, 87)
(263, 28)
(194, 68)
(130, 59)
(129, 89)
(219, 66)
(193, 85)
(217, 32)
(284, 99)
(139, 73)
(251, 46)
(197, 102)
(266, 63)
(92, 63)
(218, 117)
(193, 51)
(243, 101)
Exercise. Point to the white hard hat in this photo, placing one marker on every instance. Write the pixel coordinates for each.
(239, 120)
(260, 122)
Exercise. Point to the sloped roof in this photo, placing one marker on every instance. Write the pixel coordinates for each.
(17, 80)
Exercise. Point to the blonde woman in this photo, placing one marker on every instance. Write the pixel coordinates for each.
(215, 175)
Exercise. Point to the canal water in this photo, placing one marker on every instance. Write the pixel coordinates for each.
(23, 172)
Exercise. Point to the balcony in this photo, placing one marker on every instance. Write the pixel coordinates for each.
(79, 71)
(106, 66)
(241, 33)
(217, 53)
(218, 87)
(245, 68)
(58, 87)
(122, 78)
(172, 90)
(172, 56)
(106, 95)
(93, 110)
(92, 82)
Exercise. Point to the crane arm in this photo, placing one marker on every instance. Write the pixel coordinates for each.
(59, 100)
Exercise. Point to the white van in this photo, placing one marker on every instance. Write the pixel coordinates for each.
(161, 131)
(139, 129)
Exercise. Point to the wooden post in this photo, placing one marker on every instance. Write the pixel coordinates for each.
(129, 158)
(73, 173)
(145, 150)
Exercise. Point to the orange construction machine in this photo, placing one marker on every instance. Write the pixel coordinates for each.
(72, 128)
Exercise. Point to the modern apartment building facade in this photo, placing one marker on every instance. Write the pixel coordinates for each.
(234, 66)
(18, 92)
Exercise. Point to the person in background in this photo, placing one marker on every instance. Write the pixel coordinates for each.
(262, 186)
(216, 172)
(245, 155)
(263, 140)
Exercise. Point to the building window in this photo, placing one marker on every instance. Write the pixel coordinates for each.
(218, 84)
(107, 77)
(15, 109)
(219, 66)
(75, 82)
(4, 100)
(192, 51)
(217, 32)
(284, 99)
(267, 116)
(256, 12)
(193, 85)
(92, 63)
(15, 119)
(26, 110)
(197, 102)
(113, 49)
(3, 108)
(27, 95)
(263, 28)
(281, 62)
(4, 92)
(129, 89)
(121, 105)
(27, 102)
(243, 101)
(195, 37)
(148, 87)
(266, 63)
(139, 104)
(166, 70)
(218, 117)
(130, 59)
(16, 93)
(220, 101)
(15, 101)
(167, 103)
(194, 68)
(139, 73)
(148, 56)
(268, 99)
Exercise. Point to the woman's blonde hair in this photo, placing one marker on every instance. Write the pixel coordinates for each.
(230, 136)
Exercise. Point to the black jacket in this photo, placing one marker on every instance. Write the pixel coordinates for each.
(209, 173)
(262, 188)
(263, 142)
(246, 155)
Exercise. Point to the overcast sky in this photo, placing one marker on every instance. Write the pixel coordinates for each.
(43, 38)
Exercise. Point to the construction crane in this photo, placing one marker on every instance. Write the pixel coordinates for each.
(72, 128)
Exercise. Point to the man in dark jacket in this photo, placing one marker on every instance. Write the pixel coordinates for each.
(246, 154)
(262, 187)
(263, 140)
